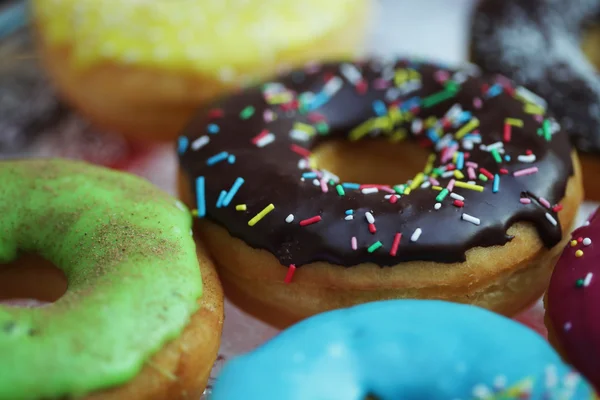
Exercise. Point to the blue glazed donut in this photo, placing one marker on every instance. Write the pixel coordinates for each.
(403, 349)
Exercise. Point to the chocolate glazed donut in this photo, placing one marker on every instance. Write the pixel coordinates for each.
(538, 44)
(495, 160)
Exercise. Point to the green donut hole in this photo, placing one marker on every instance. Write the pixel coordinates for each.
(371, 161)
(31, 277)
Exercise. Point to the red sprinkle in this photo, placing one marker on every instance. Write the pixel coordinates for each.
(395, 245)
(528, 152)
(509, 90)
(393, 199)
(315, 117)
(310, 221)
(372, 228)
(362, 87)
(300, 150)
(486, 173)
(215, 113)
(450, 167)
(484, 88)
(261, 135)
(290, 274)
(557, 208)
(503, 171)
(507, 132)
(459, 203)
(580, 239)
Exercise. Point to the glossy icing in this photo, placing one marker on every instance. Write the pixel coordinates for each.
(497, 161)
(573, 299)
(538, 44)
(134, 280)
(181, 35)
(408, 349)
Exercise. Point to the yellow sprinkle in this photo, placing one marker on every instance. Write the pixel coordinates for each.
(407, 190)
(454, 157)
(573, 243)
(369, 126)
(195, 213)
(398, 135)
(261, 214)
(431, 121)
(472, 124)
(395, 115)
(413, 74)
(280, 98)
(417, 181)
(400, 77)
(429, 165)
(578, 253)
(533, 109)
(305, 128)
(469, 186)
(241, 207)
(514, 122)
(312, 163)
(436, 187)
(458, 174)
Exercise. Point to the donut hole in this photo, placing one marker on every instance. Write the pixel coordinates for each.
(371, 161)
(31, 277)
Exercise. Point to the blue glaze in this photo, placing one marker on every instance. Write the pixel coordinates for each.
(400, 349)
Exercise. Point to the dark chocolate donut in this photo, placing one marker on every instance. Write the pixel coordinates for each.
(494, 161)
(538, 44)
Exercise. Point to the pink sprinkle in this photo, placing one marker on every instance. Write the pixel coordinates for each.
(381, 84)
(538, 118)
(544, 202)
(471, 164)
(269, 116)
(471, 173)
(290, 274)
(525, 200)
(477, 103)
(353, 242)
(324, 187)
(434, 182)
(387, 189)
(441, 76)
(450, 185)
(526, 171)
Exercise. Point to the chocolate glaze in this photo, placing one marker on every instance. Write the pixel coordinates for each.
(272, 173)
(573, 300)
(537, 43)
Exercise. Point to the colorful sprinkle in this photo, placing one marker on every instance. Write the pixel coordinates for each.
(261, 215)
(182, 144)
(551, 219)
(247, 112)
(416, 235)
(374, 246)
(496, 184)
(200, 197)
(310, 221)
(289, 219)
(469, 186)
(526, 171)
(395, 244)
(241, 207)
(200, 142)
(232, 192)
(290, 274)
(217, 158)
(471, 219)
(353, 243)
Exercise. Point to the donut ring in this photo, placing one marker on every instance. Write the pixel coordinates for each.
(403, 349)
(246, 165)
(572, 319)
(137, 320)
(538, 44)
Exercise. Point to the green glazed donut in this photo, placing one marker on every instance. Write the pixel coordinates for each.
(133, 277)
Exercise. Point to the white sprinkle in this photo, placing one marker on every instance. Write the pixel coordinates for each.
(297, 134)
(471, 219)
(588, 279)
(551, 376)
(392, 94)
(571, 379)
(500, 382)
(416, 126)
(349, 217)
(265, 140)
(316, 182)
(457, 196)
(425, 185)
(551, 219)
(467, 144)
(409, 87)
(481, 392)
(531, 97)
(453, 112)
(416, 235)
(370, 218)
(587, 241)
(289, 219)
(568, 326)
(448, 174)
(303, 163)
(369, 190)
(333, 86)
(527, 158)
(200, 142)
(351, 73)
(496, 146)
(437, 206)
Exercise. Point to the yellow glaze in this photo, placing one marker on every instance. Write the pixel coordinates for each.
(213, 37)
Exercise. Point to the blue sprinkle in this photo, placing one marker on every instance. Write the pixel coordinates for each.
(217, 157)
(231, 159)
(496, 185)
(495, 90)
(234, 189)
(309, 175)
(465, 116)
(200, 197)
(213, 128)
(183, 144)
(507, 158)
(221, 199)
(379, 107)
(349, 212)
(410, 103)
(319, 100)
(460, 160)
(351, 186)
(432, 135)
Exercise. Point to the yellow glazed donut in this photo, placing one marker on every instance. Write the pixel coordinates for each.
(143, 67)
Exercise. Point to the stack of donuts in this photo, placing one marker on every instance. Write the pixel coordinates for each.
(393, 268)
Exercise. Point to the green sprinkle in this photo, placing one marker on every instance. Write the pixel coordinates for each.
(437, 98)
(540, 132)
(578, 283)
(340, 190)
(247, 112)
(483, 177)
(496, 155)
(452, 86)
(442, 195)
(436, 172)
(399, 189)
(322, 128)
(547, 130)
(377, 245)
